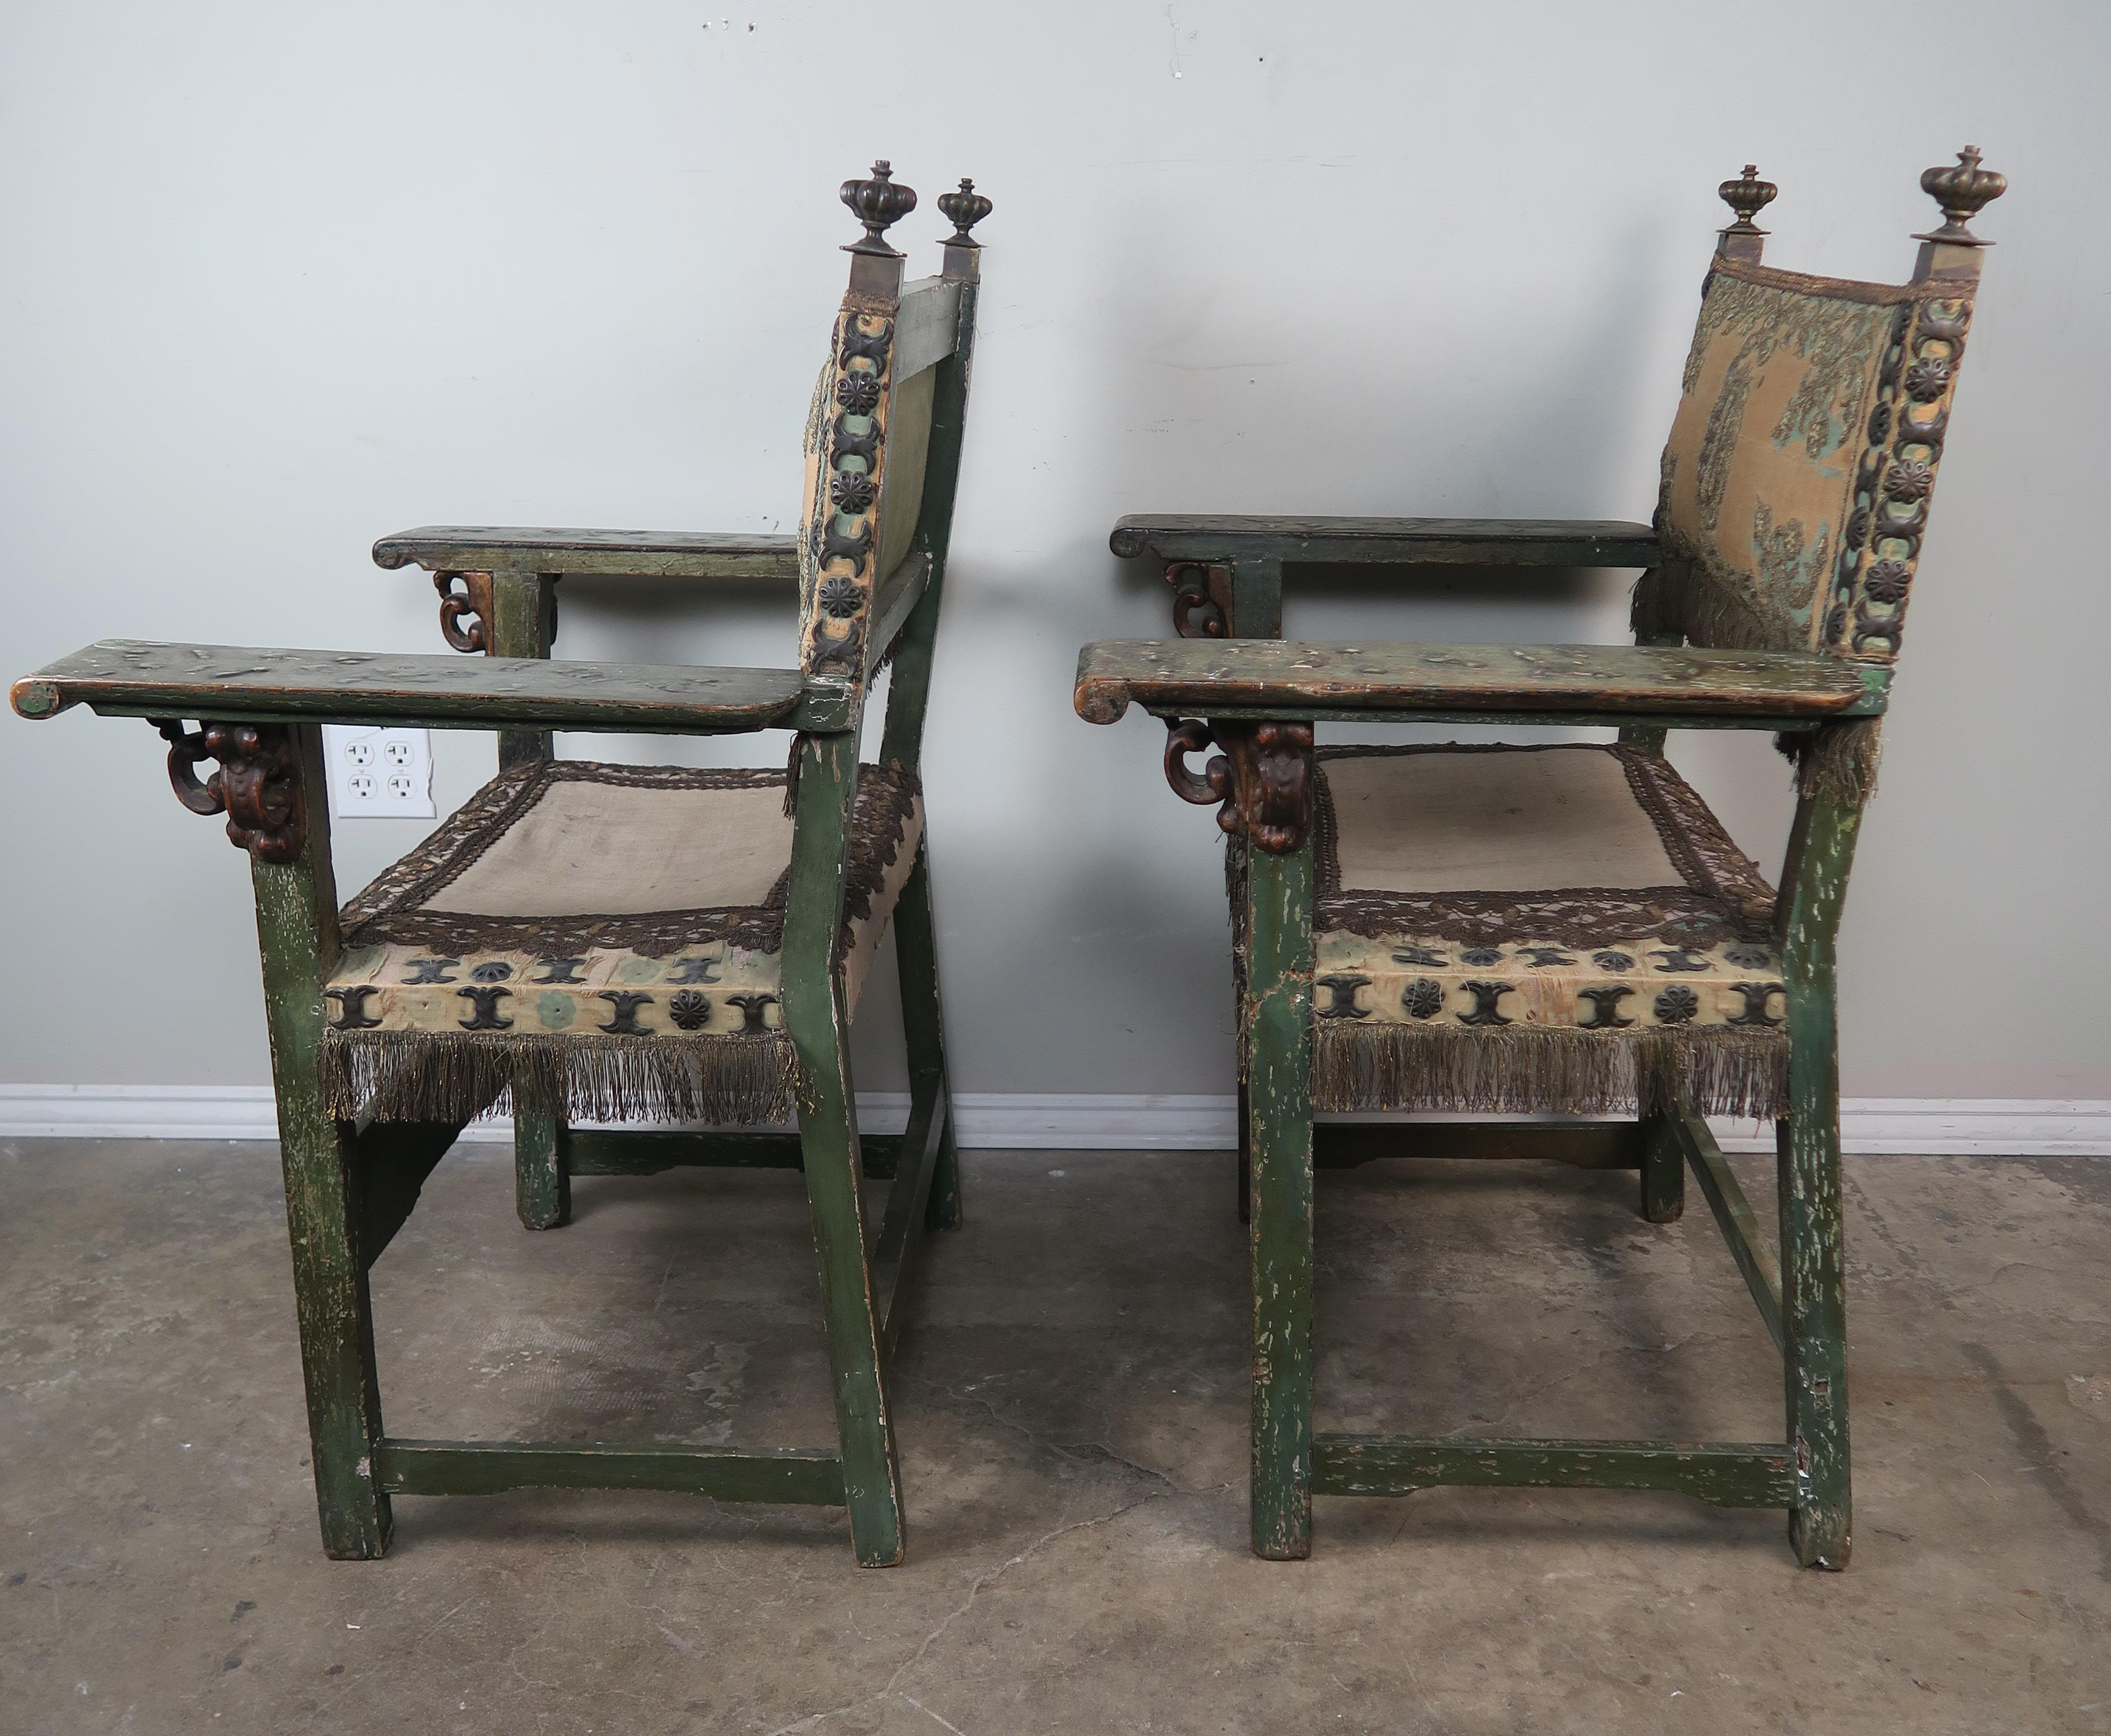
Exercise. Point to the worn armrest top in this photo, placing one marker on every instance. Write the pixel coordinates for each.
(1218, 678)
(132, 677)
(669, 554)
(1485, 541)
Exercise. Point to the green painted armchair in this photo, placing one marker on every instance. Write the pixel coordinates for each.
(1567, 931)
(613, 943)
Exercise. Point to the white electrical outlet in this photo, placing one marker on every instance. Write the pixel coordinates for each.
(379, 773)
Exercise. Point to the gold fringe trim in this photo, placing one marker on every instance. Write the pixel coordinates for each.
(449, 1076)
(1713, 1070)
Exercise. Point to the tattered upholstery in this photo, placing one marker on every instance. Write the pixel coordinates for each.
(1563, 929)
(608, 939)
(1796, 480)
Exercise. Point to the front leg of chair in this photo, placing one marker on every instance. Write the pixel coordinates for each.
(1278, 1033)
(296, 928)
(1813, 1257)
(828, 1143)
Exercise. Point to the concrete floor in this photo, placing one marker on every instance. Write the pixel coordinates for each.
(1073, 1416)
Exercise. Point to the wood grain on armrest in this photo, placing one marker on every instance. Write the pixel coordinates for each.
(664, 554)
(131, 678)
(1490, 542)
(1276, 678)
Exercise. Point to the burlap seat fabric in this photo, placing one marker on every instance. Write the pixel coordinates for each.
(1561, 929)
(605, 941)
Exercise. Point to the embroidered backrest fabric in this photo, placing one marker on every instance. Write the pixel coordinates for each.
(1797, 478)
(868, 435)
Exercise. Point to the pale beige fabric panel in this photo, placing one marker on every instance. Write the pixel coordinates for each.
(1435, 822)
(609, 849)
(901, 478)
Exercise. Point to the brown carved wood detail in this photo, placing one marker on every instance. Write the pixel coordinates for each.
(257, 786)
(473, 600)
(1263, 778)
(1201, 599)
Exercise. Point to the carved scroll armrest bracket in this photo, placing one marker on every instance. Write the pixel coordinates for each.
(473, 602)
(1201, 599)
(257, 786)
(1263, 778)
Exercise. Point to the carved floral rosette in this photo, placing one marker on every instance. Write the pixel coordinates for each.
(1895, 480)
(846, 466)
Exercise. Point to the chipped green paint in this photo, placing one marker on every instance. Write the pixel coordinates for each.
(827, 1131)
(1663, 1172)
(1724, 1474)
(297, 929)
(1278, 1017)
(410, 1467)
(1813, 1258)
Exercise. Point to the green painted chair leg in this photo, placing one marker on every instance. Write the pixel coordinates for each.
(1279, 1012)
(1813, 1250)
(297, 929)
(1663, 1171)
(542, 1170)
(916, 958)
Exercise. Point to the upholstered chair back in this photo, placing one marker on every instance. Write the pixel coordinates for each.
(1802, 461)
(869, 431)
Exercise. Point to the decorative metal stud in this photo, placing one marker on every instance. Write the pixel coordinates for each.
(1747, 197)
(964, 210)
(876, 203)
(1962, 191)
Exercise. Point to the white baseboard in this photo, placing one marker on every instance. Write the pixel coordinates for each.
(2023, 1127)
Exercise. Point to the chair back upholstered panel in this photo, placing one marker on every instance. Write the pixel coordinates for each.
(1796, 481)
(868, 437)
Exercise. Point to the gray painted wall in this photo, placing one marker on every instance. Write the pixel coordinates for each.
(278, 280)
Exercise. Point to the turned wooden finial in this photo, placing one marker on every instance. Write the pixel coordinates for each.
(876, 203)
(1962, 191)
(1748, 196)
(964, 210)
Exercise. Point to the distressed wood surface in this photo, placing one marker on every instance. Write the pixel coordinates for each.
(1278, 1017)
(635, 1151)
(815, 1019)
(1735, 1217)
(413, 1467)
(927, 326)
(650, 554)
(1663, 1172)
(1289, 679)
(1813, 1256)
(137, 679)
(297, 931)
(906, 1216)
(1400, 541)
(922, 1024)
(1727, 1474)
(1586, 1145)
(523, 609)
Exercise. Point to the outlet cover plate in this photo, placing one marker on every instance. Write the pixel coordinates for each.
(378, 774)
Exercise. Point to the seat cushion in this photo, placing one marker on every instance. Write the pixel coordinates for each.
(1561, 930)
(604, 940)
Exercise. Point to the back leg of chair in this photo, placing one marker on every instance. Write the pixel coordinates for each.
(1663, 1171)
(542, 1170)
(916, 959)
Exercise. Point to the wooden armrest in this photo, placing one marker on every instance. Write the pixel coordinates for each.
(656, 554)
(236, 683)
(1488, 542)
(1275, 678)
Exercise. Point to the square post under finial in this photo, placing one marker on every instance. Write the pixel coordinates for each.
(1747, 197)
(1963, 191)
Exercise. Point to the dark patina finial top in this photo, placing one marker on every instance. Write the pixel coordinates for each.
(877, 203)
(1747, 197)
(1962, 191)
(964, 210)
